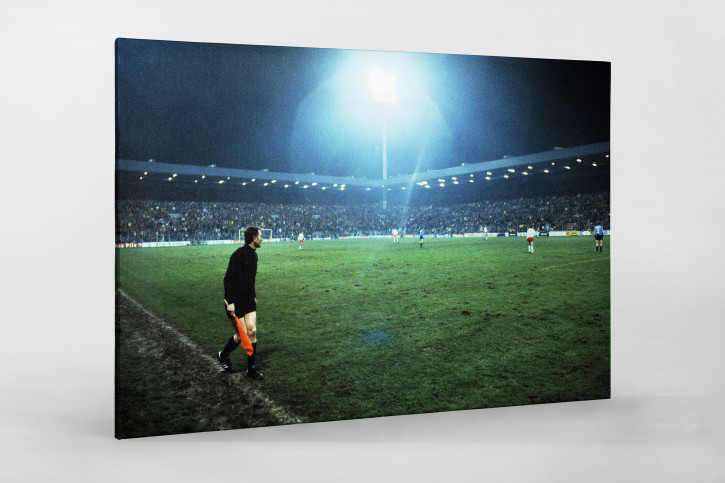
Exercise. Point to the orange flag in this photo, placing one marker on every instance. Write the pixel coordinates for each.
(246, 343)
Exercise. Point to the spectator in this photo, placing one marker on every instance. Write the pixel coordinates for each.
(145, 220)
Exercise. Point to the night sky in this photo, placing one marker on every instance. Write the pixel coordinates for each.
(310, 110)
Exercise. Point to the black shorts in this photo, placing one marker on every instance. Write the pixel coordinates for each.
(237, 311)
(598, 237)
(243, 307)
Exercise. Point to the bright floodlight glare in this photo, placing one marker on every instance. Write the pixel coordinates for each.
(382, 86)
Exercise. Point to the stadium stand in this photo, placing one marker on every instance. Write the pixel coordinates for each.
(197, 221)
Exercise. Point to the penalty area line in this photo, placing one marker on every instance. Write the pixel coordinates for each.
(575, 263)
(282, 415)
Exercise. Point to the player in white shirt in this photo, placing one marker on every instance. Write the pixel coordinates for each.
(530, 234)
(301, 239)
(395, 235)
(485, 233)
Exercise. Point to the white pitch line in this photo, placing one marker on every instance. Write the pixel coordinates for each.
(283, 416)
(575, 263)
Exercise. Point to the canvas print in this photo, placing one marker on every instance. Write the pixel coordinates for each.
(311, 234)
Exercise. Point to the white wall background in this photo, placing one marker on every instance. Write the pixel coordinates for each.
(665, 421)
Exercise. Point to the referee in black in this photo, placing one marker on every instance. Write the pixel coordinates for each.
(240, 298)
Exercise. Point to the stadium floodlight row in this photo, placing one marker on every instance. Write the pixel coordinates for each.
(171, 169)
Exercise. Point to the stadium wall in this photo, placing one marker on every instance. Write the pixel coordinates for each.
(229, 242)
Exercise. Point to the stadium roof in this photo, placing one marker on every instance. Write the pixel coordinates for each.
(541, 160)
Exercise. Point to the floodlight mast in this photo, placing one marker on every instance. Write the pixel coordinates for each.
(382, 86)
(385, 158)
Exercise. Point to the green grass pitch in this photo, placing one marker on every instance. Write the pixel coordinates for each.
(364, 328)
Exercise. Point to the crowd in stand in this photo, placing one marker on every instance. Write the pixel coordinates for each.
(143, 221)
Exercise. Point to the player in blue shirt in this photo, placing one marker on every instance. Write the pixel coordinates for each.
(598, 237)
(422, 234)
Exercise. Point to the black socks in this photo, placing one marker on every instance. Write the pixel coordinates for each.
(250, 359)
(231, 345)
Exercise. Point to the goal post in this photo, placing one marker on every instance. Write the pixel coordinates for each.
(266, 234)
